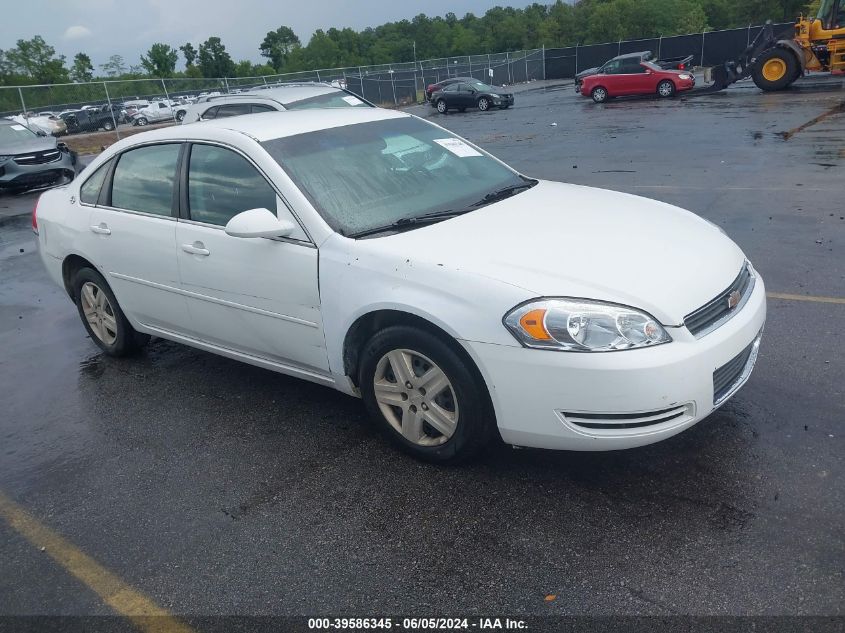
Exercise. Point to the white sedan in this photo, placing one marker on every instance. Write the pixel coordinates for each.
(378, 254)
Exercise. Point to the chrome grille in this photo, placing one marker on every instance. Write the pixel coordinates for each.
(716, 311)
(38, 158)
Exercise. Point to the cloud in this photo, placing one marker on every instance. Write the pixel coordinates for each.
(76, 32)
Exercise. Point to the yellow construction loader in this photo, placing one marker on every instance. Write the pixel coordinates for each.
(773, 64)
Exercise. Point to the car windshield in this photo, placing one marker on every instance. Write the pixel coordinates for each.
(370, 175)
(15, 133)
(336, 99)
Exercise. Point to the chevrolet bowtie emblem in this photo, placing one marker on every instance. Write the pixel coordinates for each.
(733, 299)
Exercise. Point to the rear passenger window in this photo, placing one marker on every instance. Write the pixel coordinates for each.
(89, 192)
(143, 179)
(222, 183)
(233, 109)
(210, 113)
(261, 108)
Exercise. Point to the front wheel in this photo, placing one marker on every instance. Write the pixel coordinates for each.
(108, 126)
(180, 115)
(423, 395)
(102, 317)
(666, 88)
(483, 104)
(441, 106)
(599, 94)
(141, 121)
(775, 69)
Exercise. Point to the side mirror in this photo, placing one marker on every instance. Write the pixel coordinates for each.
(258, 223)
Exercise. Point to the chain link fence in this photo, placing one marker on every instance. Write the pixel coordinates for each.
(100, 113)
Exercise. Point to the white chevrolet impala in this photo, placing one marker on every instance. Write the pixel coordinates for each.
(381, 255)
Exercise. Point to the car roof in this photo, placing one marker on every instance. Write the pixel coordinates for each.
(629, 55)
(283, 94)
(271, 125)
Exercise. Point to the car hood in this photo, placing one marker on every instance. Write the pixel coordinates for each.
(558, 239)
(37, 144)
(587, 72)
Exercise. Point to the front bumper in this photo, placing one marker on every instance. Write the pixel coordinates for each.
(15, 176)
(615, 400)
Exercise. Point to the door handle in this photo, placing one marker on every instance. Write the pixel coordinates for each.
(197, 248)
(101, 229)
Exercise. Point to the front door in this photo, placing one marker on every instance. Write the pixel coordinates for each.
(257, 296)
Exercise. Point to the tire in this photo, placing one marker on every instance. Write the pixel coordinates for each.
(442, 108)
(666, 89)
(108, 126)
(460, 409)
(98, 308)
(484, 104)
(142, 121)
(599, 94)
(775, 69)
(180, 116)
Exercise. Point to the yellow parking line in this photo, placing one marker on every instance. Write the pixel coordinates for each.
(126, 601)
(789, 297)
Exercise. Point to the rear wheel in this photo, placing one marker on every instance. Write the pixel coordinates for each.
(599, 94)
(180, 115)
(666, 88)
(141, 121)
(423, 395)
(102, 317)
(775, 69)
(483, 104)
(441, 106)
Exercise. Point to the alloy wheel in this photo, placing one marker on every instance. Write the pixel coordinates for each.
(416, 397)
(483, 104)
(99, 313)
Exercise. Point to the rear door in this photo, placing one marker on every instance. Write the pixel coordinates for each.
(134, 228)
(257, 296)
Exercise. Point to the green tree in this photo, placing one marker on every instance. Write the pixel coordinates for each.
(160, 60)
(278, 44)
(189, 52)
(37, 60)
(114, 67)
(214, 61)
(82, 69)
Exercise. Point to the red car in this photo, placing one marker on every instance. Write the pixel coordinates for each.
(626, 77)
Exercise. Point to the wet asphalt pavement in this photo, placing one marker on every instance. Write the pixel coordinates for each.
(218, 488)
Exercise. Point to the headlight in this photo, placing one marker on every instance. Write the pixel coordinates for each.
(578, 325)
(684, 76)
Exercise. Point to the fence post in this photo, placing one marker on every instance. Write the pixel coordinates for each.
(748, 36)
(111, 109)
(702, 49)
(226, 83)
(525, 57)
(264, 79)
(619, 48)
(393, 84)
(318, 75)
(469, 58)
(544, 61)
(576, 58)
(659, 45)
(167, 96)
(510, 70)
(23, 105)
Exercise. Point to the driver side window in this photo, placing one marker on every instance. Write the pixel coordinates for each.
(611, 68)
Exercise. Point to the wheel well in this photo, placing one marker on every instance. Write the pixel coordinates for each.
(70, 265)
(367, 325)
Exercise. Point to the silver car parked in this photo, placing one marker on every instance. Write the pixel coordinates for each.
(31, 159)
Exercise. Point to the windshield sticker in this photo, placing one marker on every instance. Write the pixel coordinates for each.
(457, 147)
(17, 127)
(352, 100)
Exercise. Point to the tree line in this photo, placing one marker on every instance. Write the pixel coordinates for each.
(499, 29)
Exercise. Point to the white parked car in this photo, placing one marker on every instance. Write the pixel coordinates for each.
(51, 125)
(156, 112)
(277, 98)
(373, 252)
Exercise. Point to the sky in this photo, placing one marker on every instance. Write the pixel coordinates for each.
(102, 28)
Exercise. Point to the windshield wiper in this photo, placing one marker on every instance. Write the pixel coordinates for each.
(405, 223)
(504, 192)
